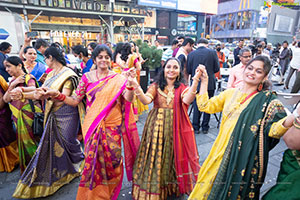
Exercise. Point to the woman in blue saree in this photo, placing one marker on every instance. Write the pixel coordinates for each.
(34, 68)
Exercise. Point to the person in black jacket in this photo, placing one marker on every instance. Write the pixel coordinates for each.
(236, 52)
(207, 57)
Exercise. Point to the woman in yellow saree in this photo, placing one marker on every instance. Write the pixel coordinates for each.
(108, 120)
(131, 60)
(253, 120)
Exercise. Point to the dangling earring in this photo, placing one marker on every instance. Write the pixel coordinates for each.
(260, 86)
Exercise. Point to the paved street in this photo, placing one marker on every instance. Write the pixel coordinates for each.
(8, 181)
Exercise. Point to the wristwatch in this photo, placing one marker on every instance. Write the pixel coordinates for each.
(296, 114)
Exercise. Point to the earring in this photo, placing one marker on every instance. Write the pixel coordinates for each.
(260, 86)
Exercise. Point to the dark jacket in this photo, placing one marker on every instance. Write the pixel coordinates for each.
(284, 57)
(209, 59)
(236, 53)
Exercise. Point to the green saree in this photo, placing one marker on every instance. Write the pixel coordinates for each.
(243, 167)
(288, 180)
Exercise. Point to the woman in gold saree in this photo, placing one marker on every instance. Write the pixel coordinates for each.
(59, 155)
(167, 162)
(253, 120)
(108, 119)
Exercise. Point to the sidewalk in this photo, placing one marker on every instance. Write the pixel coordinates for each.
(8, 181)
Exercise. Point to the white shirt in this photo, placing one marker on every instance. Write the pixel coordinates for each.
(295, 62)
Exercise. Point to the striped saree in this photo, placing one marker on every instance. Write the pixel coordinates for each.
(23, 119)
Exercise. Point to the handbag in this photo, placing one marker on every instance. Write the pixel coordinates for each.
(38, 121)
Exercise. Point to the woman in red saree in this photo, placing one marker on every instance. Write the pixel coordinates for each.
(167, 162)
(108, 119)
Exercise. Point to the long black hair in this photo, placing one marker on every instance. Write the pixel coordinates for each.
(15, 60)
(267, 67)
(118, 49)
(126, 51)
(161, 80)
(56, 54)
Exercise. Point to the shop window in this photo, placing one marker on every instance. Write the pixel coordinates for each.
(187, 22)
(163, 19)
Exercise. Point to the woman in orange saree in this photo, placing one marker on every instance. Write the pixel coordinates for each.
(9, 157)
(108, 119)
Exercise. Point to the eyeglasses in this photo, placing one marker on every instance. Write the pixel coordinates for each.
(246, 56)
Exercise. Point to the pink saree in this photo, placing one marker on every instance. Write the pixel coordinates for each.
(108, 119)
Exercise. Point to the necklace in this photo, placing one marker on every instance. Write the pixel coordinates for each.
(98, 78)
(170, 94)
(56, 71)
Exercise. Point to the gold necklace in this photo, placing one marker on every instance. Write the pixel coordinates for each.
(103, 77)
(169, 96)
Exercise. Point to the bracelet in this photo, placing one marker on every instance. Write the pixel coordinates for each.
(60, 97)
(195, 92)
(196, 79)
(129, 87)
(22, 89)
(296, 124)
(57, 95)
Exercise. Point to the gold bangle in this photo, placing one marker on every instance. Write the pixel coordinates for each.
(57, 95)
(196, 79)
(195, 92)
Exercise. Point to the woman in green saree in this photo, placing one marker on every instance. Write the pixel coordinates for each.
(253, 120)
(288, 179)
(21, 110)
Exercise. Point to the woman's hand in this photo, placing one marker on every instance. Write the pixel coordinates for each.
(51, 93)
(16, 94)
(20, 79)
(131, 78)
(202, 72)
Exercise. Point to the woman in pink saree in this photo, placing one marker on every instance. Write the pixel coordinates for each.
(108, 119)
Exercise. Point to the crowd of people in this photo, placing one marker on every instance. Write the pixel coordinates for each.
(99, 102)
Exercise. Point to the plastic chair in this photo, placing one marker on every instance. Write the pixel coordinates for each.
(289, 99)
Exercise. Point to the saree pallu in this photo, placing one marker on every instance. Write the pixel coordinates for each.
(9, 157)
(243, 167)
(103, 128)
(57, 159)
(288, 180)
(23, 119)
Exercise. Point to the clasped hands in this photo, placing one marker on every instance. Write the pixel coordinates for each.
(41, 93)
(200, 74)
(131, 77)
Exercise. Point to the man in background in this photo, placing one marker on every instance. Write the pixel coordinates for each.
(184, 50)
(207, 57)
(236, 52)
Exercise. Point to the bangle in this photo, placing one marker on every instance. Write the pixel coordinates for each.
(60, 97)
(196, 79)
(195, 92)
(22, 89)
(129, 87)
(296, 124)
(57, 95)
